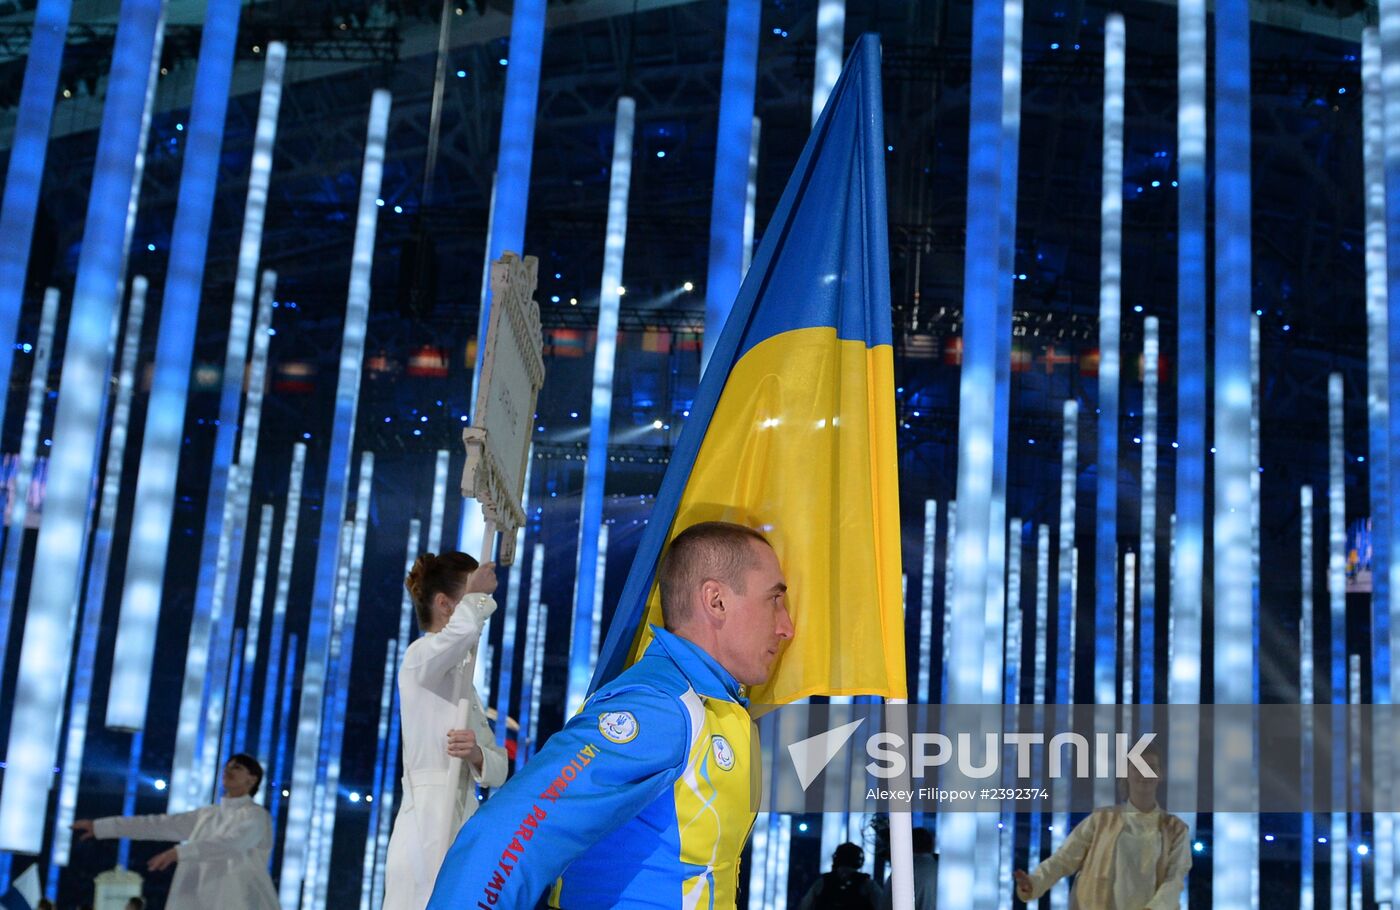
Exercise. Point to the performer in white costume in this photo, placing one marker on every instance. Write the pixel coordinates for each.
(222, 858)
(452, 599)
(1132, 856)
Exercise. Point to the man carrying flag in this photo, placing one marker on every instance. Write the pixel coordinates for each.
(783, 483)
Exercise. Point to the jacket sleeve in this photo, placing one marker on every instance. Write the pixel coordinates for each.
(147, 827)
(580, 786)
(435, 657)
(241, 836)
(1065, 861)
(494, 761)
(1178, 847)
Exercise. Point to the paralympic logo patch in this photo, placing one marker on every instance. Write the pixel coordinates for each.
(724, 752)
(618, 726)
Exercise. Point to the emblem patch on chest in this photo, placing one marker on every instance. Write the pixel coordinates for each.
(618, 726)
(724, 752)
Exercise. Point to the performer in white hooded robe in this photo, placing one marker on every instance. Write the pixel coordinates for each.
(452, 599)
(222, 860)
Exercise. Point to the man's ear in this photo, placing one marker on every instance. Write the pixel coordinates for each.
(712, 599)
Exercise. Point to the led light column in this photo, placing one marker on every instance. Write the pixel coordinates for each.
(1065, 616)
(950, 555)
(333, 502)
(291, 518)
(1110, 306)
(831, 45)
(540, 652)
(533, 668)
(48, 631)
(94, 595)
(18, 505)
(229, 551)
(738, 81)
(1308, 820)
(1378, 458)
(25, 173)
(1147, 545)
(390, 764)
(926, 601)
(321, 792)
(511, 188)
(381, 750)
(976, 417)
(342, 682)
(1390, 94)
(1337, 610)
(1129, 631)
(439, 506)
(1042, 615)
(284, 729)
(595, 467)
(165, 418)
(250, 638)
(1188, 535)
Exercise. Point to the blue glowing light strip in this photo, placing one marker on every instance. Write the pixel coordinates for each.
(376, 794)
(831, 44)
(758, 863)
(133, 779)
(1009, 163)
(511, 188)
(976, 417)
(379, 836)
(1306, 896)
(94, 596)
(540, 652)
(18, 504)
(1337, 610)
(751, 196)
(439, 508)
(600, 574)
(1390, 94)
(28, 149)
(164, 430)
(950, 555)
(1011, 692)
(595, 467)
(1110, 306)
(1129, 608)
(1188, 535)
(284, 728)
(333, 502)
(733, 139)
(321, 792)
(1069, 476)
(510, 627)
(926, 601)
(229, 559)
(533, 667)
(223, 736)
(48, 630)
(1235, 833)
(250, 640)
(1147, 546)
(1378, 411)
(1042, 615)
(291, 517)
(342, 684)
(1064, 617)
(1354, 772)
(150, 565)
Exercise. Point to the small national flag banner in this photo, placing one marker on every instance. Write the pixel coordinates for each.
(793, 426)
(24, 892)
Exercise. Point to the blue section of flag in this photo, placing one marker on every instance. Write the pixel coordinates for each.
(806, 273)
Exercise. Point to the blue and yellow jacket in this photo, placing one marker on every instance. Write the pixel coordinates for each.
(642, 800)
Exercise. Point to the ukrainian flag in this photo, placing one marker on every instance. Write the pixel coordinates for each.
(793, 426)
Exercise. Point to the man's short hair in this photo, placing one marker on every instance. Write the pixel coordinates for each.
(250, 764)
(711, 549)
